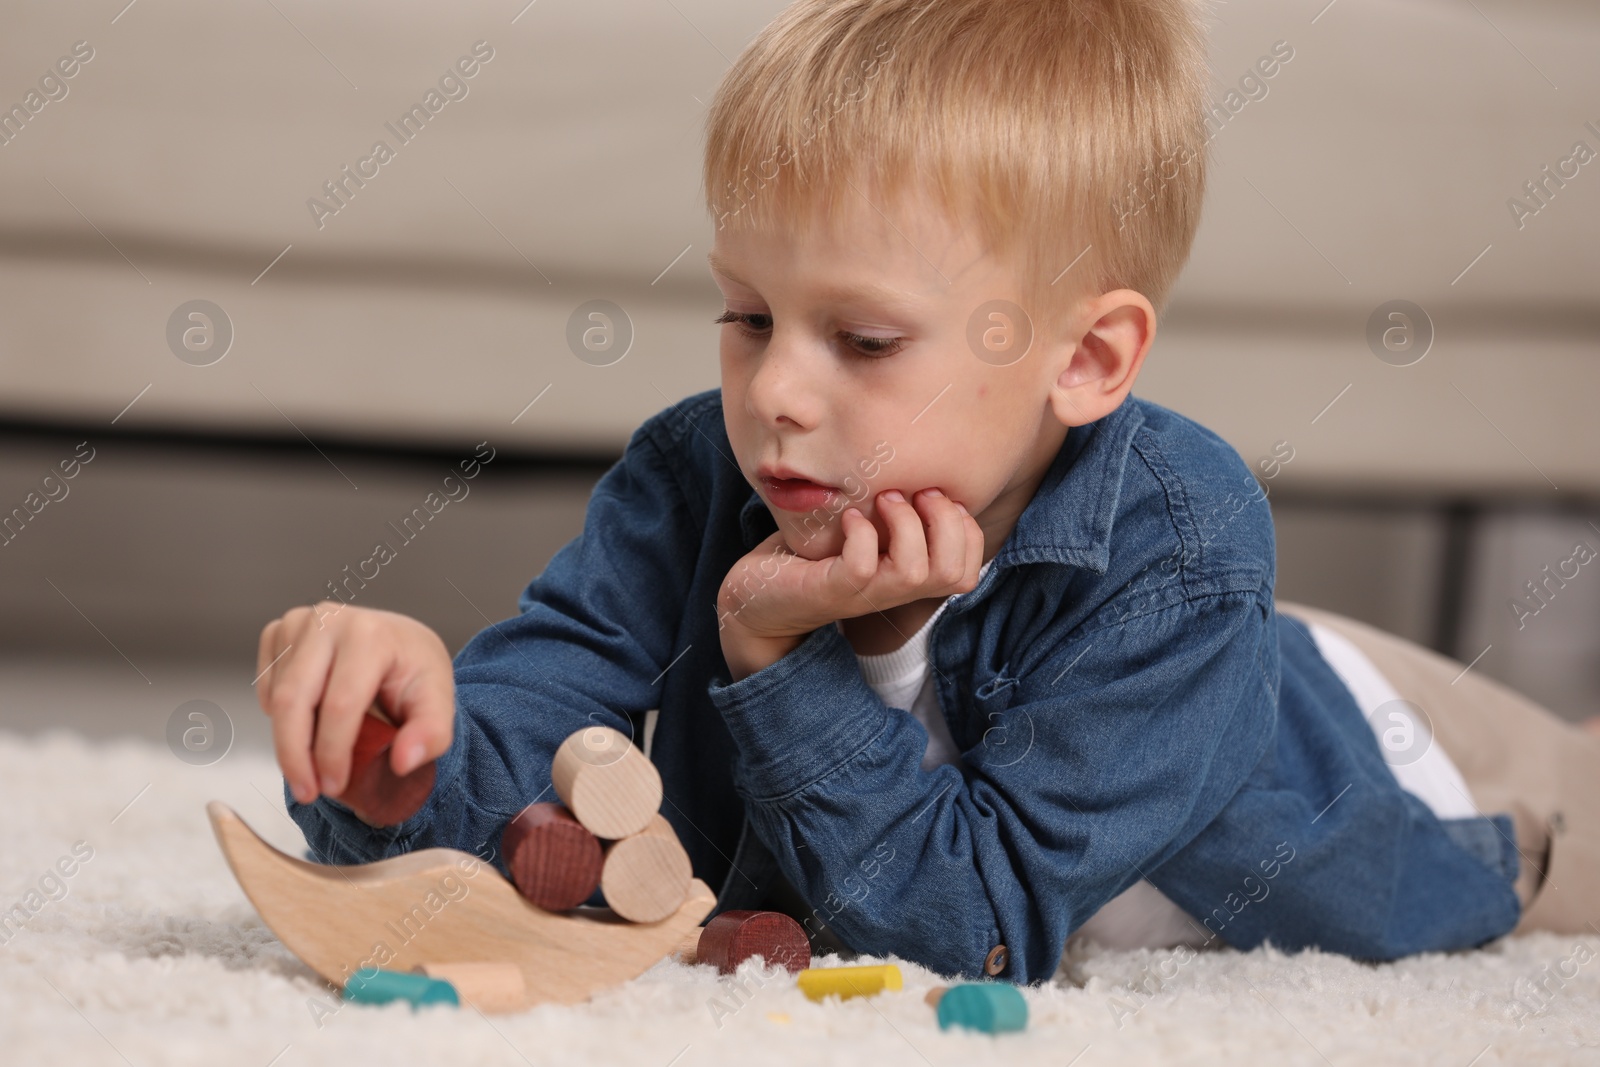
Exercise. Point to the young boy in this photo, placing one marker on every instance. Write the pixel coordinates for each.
(957, 648)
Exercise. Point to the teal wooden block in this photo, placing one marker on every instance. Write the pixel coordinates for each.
(992, 1007)
(380, 987)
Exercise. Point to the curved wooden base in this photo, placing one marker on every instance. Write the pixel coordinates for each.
(441, 906)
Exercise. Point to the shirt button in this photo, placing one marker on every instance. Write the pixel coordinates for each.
(996, 960)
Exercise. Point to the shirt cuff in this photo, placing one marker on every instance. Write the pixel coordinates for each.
(801, 718)
(1490, 840)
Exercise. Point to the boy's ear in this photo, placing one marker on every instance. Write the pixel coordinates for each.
(1098, 366)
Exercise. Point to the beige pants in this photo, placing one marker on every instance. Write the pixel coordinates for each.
(1512, 752)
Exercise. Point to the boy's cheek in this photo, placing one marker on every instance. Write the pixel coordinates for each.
(812, 537)
(868, 509)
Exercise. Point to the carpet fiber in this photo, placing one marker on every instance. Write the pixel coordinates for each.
(149, 953)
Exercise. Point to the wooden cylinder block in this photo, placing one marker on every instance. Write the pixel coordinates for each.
(988, 1007)
(492, 987)
(846, 982)
(735, 936)
(646, 875)
(375, 793)
(606, 782)
(554, 861)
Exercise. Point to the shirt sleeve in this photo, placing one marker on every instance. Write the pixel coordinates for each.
(592, 639)
(1099, 763)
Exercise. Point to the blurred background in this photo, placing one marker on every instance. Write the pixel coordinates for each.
(249, 389)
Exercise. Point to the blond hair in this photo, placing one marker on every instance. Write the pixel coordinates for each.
(1055, 125)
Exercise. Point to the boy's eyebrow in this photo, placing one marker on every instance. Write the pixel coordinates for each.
(883, 296)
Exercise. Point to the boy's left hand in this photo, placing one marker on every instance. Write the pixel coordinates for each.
(773, 598)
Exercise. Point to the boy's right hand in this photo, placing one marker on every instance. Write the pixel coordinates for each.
(320, 669)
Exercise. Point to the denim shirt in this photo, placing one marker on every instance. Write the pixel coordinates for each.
(1126, 700)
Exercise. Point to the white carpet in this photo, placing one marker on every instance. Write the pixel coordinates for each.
(152, 955)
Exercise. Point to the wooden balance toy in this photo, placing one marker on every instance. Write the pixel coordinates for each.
(445, 912)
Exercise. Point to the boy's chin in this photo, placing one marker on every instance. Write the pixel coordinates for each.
(813, 544)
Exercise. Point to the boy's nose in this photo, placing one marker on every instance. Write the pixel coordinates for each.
(785, 388)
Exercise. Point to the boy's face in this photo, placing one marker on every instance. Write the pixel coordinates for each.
(800, 393)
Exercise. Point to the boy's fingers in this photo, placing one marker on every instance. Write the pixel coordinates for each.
(265, 645)
(425, 710)
(267, 651)
(908, 547)
(414, 745)
(947, 537)
(353, 680)
(284, 632)
(974, 548)
(860, 552)
(295, 690)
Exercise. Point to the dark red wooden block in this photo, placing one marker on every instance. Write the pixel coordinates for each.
(554, 861)
(734, 936)
(375, 792)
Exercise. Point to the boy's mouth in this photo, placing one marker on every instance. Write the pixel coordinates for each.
(793, 494)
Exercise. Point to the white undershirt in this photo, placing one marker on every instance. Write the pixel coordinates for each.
(1141, 916)
(904, 679)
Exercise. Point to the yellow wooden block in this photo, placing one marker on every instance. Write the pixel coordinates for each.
(847, 982)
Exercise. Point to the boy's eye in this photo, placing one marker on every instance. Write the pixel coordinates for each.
(752, 325)
(746, 323)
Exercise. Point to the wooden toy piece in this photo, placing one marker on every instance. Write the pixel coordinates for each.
(847, 982)
(554, 861)
(992, 1007)
(688, 950)
(442, 905)
(378, 795)
(931, 999)
(377, 986)
(490, 987)
(606, 782)
(734, 936)
(645, 875)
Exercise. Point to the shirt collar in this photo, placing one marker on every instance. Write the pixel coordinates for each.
(1070, 516)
